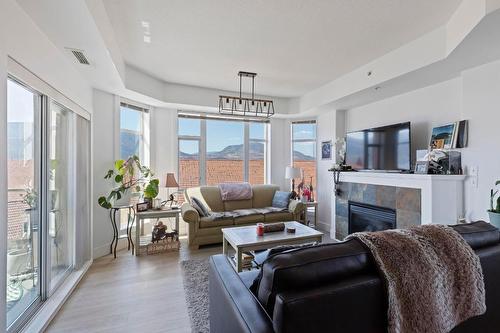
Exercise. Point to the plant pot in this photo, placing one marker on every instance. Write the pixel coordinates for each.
(494, 218)
(124, 200)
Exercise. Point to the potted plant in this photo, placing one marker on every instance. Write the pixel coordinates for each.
(126, 175)
(494, 210)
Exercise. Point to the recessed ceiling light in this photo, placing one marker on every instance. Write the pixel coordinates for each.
(147, 39)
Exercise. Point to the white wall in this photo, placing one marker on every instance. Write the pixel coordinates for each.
(280, 151)
(474, 96)
(104, 156)
(481, 105)
(164, 145)
(26, 43)
(326, 131)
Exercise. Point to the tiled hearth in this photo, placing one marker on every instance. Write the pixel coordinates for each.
(406, 202)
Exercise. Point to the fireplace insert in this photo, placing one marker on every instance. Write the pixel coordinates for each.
(364, 217)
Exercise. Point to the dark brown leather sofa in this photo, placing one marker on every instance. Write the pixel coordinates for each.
(330, 288)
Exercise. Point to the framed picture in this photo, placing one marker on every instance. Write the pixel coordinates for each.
(443, 136)
(326, 150)
(422, 167)
(142, 206)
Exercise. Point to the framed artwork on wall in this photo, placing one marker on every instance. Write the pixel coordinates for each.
(326, 150)
(443, 136)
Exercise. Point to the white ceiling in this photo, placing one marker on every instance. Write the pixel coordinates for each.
(294, 45)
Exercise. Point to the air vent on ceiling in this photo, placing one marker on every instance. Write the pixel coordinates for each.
(80, 56)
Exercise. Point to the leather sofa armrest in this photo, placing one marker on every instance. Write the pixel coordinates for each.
(189, 214)
(233, 307)
(296, 207)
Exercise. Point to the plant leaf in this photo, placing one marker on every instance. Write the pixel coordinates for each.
(119, 164)
(104, 203)
(497, 182)
(109, 174)
(118, 178)
(151, 190)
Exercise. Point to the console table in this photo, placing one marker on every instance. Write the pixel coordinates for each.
(153, 214)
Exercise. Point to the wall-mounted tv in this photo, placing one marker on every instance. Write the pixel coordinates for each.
(384, 148)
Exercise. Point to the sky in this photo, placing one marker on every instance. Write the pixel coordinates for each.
(20, 103)
(220, 134)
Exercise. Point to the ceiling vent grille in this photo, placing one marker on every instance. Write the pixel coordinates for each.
(80, 56)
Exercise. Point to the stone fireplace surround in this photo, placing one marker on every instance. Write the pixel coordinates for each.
(405, 201)
(417, 199)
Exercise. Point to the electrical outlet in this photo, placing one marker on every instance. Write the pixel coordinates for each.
(474, 176)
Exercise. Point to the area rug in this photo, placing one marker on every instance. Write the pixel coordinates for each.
(195, 276)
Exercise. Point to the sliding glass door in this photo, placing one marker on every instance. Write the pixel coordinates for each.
(48, 198)
(23, 234)
(60, 224)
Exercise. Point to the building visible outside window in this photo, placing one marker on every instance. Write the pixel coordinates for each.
(215, 150)
(46, 209)
(304, 151)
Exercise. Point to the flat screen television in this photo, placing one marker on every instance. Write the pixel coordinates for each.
(384, 148)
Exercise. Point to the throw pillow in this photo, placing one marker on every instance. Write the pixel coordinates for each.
(200, 207)
(281, 199)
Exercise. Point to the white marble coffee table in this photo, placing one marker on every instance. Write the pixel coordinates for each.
(245, 239)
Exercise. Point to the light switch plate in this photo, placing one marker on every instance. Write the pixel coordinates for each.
(474, 175)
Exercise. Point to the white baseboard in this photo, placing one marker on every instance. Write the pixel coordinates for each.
(103, 250)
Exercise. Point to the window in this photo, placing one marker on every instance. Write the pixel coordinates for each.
(225, 152)
(133, 132)
(304, 150)
(48, 159)
(134, 140)
(215, 150)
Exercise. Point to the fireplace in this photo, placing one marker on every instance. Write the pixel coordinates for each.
(365, 217)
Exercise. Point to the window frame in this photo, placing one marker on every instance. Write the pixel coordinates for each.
(313, 140)
(144, 142)
(202, 139)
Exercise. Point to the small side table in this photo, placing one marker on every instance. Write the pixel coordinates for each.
(312, 204)
(153, 214)
(130, 222)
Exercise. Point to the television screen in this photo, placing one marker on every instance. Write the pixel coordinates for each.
(383, 148)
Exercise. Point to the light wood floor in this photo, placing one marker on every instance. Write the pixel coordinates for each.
(131, 294)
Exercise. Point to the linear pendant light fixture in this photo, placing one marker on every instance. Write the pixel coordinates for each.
(243, 106)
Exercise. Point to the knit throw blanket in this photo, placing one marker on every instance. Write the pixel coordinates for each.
(235, 191)
(433, 277)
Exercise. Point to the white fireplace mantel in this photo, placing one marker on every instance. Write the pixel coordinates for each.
(442, 196)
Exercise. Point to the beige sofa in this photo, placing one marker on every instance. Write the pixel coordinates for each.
(207, 230)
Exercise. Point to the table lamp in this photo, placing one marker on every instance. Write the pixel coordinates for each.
(292, 173)
(169, 183)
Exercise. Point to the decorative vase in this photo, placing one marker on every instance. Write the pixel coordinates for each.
(494, 218)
